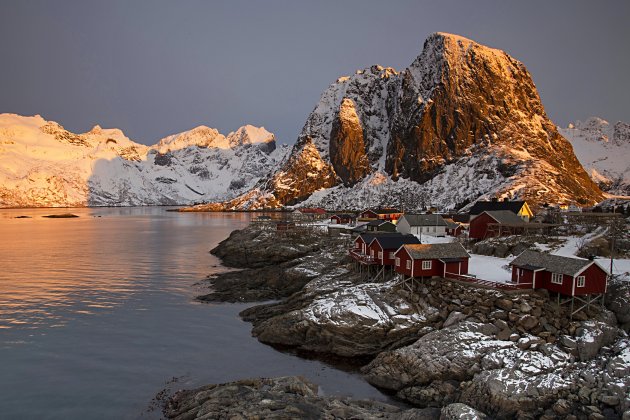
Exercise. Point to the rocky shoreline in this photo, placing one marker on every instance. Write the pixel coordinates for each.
(433, 343)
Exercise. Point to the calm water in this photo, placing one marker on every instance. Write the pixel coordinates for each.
(97, 315)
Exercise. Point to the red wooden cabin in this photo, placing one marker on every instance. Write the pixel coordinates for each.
(361, 242)
(342, 219)
(479, 225)
(429, 260)
(383, 247)
(564, 275)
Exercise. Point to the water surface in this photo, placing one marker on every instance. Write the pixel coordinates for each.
(97, 314)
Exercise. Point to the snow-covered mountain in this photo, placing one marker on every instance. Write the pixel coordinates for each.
(604, 151)
(463, 121)
(42, 164)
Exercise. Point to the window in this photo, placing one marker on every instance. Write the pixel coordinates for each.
(380, 255)
(426, 265)
(581, 281)
(556, 278)
(357, 245)
(397, 262)
(372, 253)
(408, 264)
(391, 255)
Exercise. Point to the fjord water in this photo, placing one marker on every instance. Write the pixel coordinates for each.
(97, 314)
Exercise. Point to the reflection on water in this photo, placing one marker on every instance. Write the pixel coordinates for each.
(96, 314)
(54, 269)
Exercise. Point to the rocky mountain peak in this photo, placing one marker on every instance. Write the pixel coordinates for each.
(460, 105)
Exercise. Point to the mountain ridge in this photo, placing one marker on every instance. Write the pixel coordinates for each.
(46, 165)
(461, 112)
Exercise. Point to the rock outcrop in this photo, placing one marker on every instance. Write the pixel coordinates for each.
(278, 398)
(442, 344)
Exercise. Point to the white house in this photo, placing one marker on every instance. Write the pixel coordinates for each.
(422, 224)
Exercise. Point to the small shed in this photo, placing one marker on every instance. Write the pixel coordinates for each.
(567, 276)
(429, 260)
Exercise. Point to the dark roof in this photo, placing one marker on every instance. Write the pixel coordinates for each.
(505, 216)
(395, 242)
(379, 222)
(481, 206)
(368, 236)
(451, 224)
(436, 251)
(424, 220)
(383, 211)
(532, 260)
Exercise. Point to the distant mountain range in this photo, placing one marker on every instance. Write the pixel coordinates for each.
(604, 151)
(42, 164)
(462, 122)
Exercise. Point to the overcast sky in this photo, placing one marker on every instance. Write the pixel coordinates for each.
(154, 68)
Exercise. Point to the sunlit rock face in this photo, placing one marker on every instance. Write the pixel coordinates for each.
(347, 148)
(43, 164)
(459, 105)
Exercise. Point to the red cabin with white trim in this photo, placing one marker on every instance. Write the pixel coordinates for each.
(429, 260)
(564, 275)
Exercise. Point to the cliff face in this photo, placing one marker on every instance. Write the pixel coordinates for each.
(347, 148)
(457, 104)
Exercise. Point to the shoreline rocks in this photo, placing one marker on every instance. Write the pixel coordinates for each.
(278, 398)
(436, 343)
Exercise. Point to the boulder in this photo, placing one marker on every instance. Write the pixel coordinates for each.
(592, 336)
(459, 411)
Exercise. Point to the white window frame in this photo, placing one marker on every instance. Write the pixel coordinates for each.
(581, 281)
(426, 264)
(391, 255)
(557, 278)
(357, 245)
(372, 253)
(397, 262)
(380, 255)
(408, 264)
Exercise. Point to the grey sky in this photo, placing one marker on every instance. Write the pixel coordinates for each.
(154, 68)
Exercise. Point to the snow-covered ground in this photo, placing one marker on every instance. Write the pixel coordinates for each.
(490, 268)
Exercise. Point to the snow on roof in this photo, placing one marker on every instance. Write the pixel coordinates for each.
(554, 263)
(436, 251)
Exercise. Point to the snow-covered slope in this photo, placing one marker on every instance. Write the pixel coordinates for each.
(604, 151)
(462, 122)
(42, 164)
